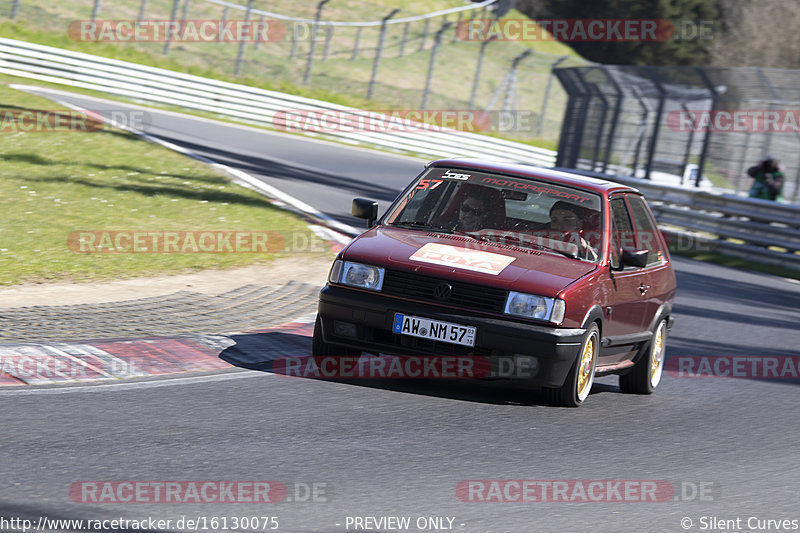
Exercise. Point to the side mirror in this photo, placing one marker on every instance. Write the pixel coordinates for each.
(366, 209)
(636, 258)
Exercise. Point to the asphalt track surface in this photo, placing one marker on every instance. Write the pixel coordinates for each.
(401, 448)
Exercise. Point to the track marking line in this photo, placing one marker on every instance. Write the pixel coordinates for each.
(163, 382)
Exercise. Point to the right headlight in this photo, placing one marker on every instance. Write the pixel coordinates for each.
(357, 275)
(534, 306)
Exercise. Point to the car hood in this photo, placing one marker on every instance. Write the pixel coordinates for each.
(465, 259)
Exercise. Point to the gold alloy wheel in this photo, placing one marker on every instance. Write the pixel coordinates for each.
(657, 358)
(586, 368)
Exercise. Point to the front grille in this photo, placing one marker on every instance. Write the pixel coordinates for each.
(466, 295)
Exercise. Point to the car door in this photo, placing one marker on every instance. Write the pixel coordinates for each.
(628, 289)
(660, 277)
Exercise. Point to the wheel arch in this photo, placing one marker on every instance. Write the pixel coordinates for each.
(594, 314)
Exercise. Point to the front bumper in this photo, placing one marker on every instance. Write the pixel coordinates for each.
(555, 349)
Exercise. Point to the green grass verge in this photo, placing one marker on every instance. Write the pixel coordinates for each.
(56, 183)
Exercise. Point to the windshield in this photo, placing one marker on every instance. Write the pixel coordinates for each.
(508, 210)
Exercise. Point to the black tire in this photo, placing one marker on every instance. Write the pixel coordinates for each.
(645, 375)
(579, 381)
(320, 348)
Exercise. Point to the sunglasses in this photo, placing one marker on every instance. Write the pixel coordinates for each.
(476, 211)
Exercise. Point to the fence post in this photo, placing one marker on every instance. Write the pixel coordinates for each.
(424, 35)
(509, 82)
(642, 128)
(96, 9)
(293, 51)
(775, 99)
(328, 38)
(404, 39)
(307, 73)
(743, 165)
(175, 5)
(258, 38)
(796, 187)
(245, 34)
(436, 43)
(356, 44)
(547, 94)
(651, 149)
(601, 126)
(688, 153)
(617, 108)
(481, 53)
(14, 9)
(378, 53)
(455, 30)
(707, 139)
(184, 14)
(224, 18)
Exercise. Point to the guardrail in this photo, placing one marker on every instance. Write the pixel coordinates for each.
(757, 230)
(753, 229)
(250, 104)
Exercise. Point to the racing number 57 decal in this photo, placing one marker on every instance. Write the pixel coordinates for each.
(426, 183)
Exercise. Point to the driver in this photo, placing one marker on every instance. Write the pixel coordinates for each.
(473, 212)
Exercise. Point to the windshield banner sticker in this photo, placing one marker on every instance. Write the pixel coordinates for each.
(453, 256)
(456, 176)
(533, 187)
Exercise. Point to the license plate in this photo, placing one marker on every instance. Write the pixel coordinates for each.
(434, 329)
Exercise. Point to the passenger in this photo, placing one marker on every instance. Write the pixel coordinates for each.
(566, 224)
(565, 217)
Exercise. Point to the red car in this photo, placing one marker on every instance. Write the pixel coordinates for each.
(481, 259)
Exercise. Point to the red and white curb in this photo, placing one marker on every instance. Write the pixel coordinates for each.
(108, 360)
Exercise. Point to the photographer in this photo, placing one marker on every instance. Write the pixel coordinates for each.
(768, 179)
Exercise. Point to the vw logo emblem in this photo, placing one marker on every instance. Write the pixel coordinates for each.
(442, 291)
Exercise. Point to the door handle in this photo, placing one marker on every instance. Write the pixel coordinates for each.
(644, 288)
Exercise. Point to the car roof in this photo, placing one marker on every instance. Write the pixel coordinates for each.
(524, 170)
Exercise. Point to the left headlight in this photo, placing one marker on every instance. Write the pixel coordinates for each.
(534, 306)
(357, 275)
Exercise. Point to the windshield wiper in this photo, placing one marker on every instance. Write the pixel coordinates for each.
(413, 224)
(565, 253)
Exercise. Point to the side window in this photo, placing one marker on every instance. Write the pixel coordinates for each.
(622, 235)
(647, 235)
